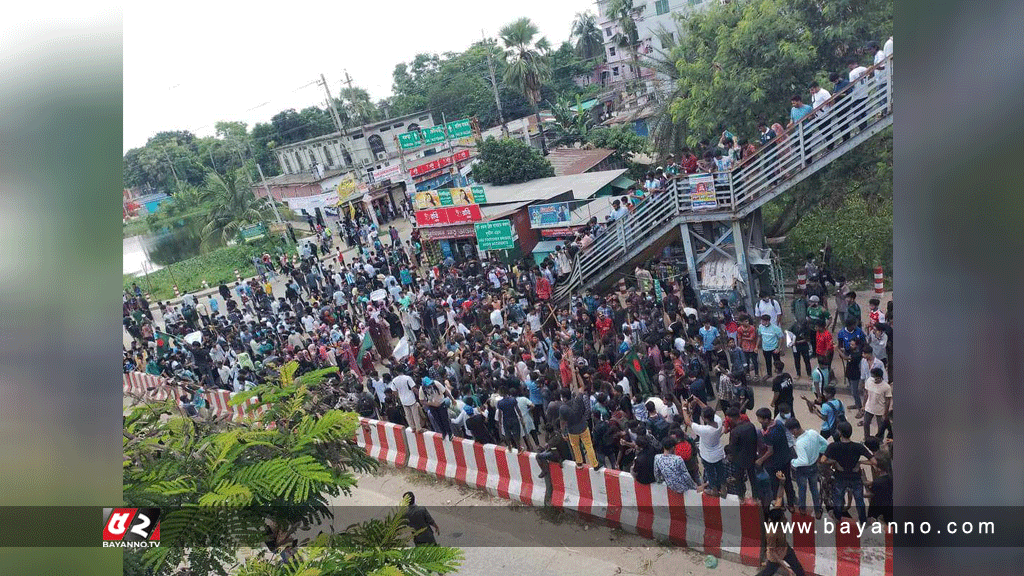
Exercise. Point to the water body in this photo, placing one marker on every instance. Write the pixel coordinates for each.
(133, 257)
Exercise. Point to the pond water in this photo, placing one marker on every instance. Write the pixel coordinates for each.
(133, 257)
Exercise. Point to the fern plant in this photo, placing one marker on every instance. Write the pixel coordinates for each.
(225, 486)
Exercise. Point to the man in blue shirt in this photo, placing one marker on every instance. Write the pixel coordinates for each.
(849, 335)
(799, 109)
(771, 338)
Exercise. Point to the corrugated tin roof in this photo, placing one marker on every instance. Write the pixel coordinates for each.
(581, 186)
(567, 161)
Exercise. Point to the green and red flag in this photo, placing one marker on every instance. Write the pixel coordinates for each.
(365, 345)
(633, 364)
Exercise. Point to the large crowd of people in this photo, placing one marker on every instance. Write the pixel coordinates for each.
(640, 377)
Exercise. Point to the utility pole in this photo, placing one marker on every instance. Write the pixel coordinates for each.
(494, 86)
(360, 175)
(270, 197)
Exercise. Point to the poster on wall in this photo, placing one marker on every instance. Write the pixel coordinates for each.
(702, 192)
(443, 197)
(549, 215)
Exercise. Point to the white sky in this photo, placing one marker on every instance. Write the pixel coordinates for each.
(189, 64)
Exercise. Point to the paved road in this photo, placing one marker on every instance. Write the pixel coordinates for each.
(569, 545)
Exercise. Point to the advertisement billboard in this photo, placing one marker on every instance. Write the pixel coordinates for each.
(549, 215)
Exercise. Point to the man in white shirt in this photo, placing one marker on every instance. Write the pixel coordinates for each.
(768, 305)
(859, 93)
(496, 320)
(887, 48)
(404, 385)
(818, 95)
(618, 210)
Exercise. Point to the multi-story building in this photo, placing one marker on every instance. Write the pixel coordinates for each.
(370, 154)
(655, 19)
(370, 147)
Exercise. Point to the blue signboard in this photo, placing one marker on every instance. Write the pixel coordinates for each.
(549, 215)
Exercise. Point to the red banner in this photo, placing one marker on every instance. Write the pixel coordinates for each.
(460, 214)
(432, 217)
(452, 215)
(439, 163)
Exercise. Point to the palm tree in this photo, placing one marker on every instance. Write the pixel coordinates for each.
(667, 135)
(589, 41)
(234, 207)
(528, 65)
(628, 36)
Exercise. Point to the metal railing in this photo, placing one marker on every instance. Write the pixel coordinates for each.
(837, 126)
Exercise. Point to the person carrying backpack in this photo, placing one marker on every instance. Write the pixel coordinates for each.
(831, 411)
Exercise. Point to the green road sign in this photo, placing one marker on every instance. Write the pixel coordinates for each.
(409, 140)
(253, 231)
(459, 128)
(495, 235)
(478, 194)
(433, 135)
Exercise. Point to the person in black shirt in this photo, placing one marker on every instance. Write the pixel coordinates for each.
(643, 464)
(782, 388)
(422, 523)
(845, 456)
(556, 450)
(880, 493)
(477, 426)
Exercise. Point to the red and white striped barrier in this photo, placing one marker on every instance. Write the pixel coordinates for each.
(720, 527)
(238, 276)
(801, 281)
(490, 467)
(157, 389)
(382, 441)
(177, 293)
(879, 280)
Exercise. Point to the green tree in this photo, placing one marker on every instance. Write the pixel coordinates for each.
(234, 206)
(666, 134)
(356, 108)
(589, 41)
(527, 64)
(572, 122)
(740, 63)
(509, 161)
(622, 139)
(228, 486)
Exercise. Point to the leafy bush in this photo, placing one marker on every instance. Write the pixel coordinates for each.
(509, 161)
(215, 267)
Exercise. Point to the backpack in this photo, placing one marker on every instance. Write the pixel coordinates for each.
(839, 411)
(659, 427)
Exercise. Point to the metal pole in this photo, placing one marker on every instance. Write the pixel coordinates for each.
(741, 263)
(270, 198)
(803, 152)
(494, 87)
(691, 262)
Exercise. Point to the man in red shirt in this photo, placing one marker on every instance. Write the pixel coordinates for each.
(543, 288)
(746, 336)
(688, 162)
(603, 325)
(824, 346)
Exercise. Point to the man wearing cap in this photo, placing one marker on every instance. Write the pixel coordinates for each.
(816, 313)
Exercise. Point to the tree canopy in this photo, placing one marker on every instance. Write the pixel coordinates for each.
(509, 161)
(227, 485)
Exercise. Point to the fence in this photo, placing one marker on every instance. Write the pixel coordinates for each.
(151, 387)
(834, 128)
(721, 527)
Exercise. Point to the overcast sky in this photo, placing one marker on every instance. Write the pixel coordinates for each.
(188, 65)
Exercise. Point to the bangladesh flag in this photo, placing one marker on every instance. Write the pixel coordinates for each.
(365, 345)
(632, 361)
(164, 342)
